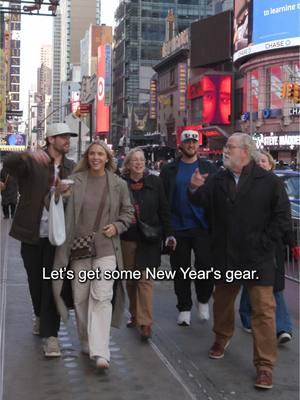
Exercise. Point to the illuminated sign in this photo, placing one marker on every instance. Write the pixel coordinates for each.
(107, 87)
(277, 140)
(182, 85)
(265, 25)
(153, 99)
(102, 110)
(14, 44)
(216, 105)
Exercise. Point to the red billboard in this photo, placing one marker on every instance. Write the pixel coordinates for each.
(103, 110)
(216, 92)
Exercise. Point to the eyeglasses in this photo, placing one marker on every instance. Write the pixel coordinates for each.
(231, 147)
(136, 160)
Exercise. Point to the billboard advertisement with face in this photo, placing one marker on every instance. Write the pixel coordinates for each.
(263, 25)
(102, 113)
(216, 105)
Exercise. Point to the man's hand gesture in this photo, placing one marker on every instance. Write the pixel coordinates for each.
(197, 180)
(40, 156)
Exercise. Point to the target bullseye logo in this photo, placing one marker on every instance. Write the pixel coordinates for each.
(100, 91)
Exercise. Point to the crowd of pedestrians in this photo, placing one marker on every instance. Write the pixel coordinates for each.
(236, 219)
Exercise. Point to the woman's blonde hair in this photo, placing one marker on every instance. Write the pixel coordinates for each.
(269, 157)
(125, 169)
(83, 164)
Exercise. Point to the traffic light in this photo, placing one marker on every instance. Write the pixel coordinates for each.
(283, 90)
(290, 91)
(296, 93)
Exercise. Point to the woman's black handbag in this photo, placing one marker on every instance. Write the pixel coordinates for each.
(148, 232)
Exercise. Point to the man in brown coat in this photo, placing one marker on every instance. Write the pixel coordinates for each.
(39, 173)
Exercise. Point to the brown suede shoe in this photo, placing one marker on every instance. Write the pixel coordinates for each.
(145, 332)
(263, 379)
(217, 350)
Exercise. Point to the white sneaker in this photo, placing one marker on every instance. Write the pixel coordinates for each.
(36, 326)
(284, 337)
(101, 363)
(203, 311)
(51, 347)
(184, 318)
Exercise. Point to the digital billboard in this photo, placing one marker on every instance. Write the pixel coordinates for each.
(216, 104)
(263, 25)
(211, 40)
(103, 110)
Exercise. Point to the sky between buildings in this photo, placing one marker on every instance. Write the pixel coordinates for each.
(37, 31)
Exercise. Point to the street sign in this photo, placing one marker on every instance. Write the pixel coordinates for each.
(85, 108)
(14, 113)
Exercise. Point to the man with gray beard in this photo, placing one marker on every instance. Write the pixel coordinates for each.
(248, 209)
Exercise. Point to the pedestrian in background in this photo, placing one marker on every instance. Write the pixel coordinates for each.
(38, 173)
(284, 325)
(248, 210)
(190, 226)
(139, 252)
(96, 190)
(9, 193)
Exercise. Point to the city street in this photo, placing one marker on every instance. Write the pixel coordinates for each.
(172, 365)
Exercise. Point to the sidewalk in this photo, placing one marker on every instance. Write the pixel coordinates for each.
(172, 366)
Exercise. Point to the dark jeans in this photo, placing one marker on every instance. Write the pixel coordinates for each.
(181, 257)
(35, 258)
(6, 208)
(283, 318)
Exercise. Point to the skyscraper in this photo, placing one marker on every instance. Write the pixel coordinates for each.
(69, 27)
(44, 77)
(139, 34)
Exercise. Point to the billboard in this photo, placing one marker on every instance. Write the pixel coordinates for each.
(16, 139)
(211, 40)
(102, 110)
(182, 85)
(263, 25)
(153, 99)
(216, 104)
(2, 93)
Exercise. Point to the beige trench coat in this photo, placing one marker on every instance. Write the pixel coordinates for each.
(121, 214)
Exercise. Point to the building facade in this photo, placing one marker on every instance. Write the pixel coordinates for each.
(266, 52)
(69, 27)
(139, 33)
(272, 118)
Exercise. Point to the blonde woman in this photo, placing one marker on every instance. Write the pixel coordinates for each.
(95, 184)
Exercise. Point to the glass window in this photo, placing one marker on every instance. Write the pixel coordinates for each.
(253, 106)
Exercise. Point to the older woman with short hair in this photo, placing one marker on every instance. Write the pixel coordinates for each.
(139, 252)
